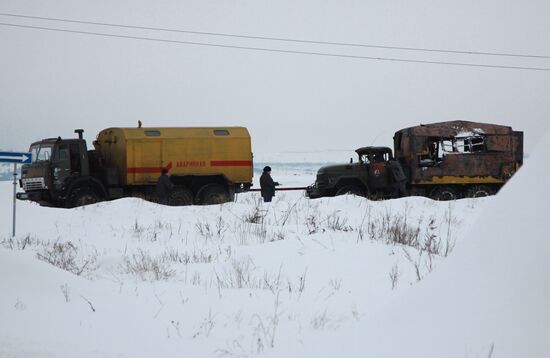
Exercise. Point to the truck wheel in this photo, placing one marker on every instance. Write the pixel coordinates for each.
(212, 194)
(480, 191)
(83, 196)
(377, 196)
(180, 196)
(443, 193)
(350, 189)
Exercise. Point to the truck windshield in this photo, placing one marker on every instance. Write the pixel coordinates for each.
(41, 152)
(374, 157)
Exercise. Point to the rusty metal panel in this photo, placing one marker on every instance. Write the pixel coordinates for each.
(472, 164)
(499, 143)
(460, 152)
(454, 128)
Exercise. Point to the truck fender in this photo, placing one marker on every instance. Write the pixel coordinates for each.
(345, 181)
(350, 181)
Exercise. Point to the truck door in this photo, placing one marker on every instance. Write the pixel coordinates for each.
(76, 162)
(61, 165)
(67, 162)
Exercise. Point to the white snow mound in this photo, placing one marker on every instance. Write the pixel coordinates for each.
(489, 299)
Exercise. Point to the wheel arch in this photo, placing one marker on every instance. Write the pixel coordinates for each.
(90, 182)
(345, 181)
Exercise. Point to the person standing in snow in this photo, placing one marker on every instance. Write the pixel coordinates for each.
(267, 185)
(164, 187)
(398, 179)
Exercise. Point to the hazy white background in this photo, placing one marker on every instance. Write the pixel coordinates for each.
(52, 83)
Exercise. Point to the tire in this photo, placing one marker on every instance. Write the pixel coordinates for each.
(212, 194)
(443, 193)
(350, 189)
(83, 196)
(180, 196)
(480, 191)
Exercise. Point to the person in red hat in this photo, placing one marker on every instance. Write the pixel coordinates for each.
(164, 187)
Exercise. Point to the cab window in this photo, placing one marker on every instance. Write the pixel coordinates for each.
(62, 153)
(41, 153)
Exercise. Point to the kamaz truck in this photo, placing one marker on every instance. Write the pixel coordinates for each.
(443, 161)
(206, 166)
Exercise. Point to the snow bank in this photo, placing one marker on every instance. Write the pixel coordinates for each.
(235, 279)
(490, 298)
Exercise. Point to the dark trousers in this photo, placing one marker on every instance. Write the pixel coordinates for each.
(399, 190)
(267, 199)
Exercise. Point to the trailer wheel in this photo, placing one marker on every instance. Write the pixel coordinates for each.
(180, 196)
(480, 191)
(211, 194)
(83, 196)
(443, 193)
(350, 189)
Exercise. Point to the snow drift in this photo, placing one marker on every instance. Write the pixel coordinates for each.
(489, 299)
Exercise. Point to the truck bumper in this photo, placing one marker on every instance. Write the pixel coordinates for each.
(22, 196)
(41, 197)
(313, 192)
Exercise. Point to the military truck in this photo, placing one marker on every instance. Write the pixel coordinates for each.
(443, 161)
(206, 165)
(363, 178)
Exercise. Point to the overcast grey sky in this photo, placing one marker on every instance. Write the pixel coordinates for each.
(52, 82)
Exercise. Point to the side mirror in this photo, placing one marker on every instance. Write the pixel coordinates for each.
(351, 160)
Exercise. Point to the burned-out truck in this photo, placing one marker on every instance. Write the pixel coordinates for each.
(443, 161)
(207, 165)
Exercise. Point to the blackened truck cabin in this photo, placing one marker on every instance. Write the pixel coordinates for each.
(455, 159)
(373, 176)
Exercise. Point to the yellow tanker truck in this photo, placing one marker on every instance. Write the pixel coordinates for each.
(206, 165)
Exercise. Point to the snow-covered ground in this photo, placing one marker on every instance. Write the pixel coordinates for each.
(295, 278)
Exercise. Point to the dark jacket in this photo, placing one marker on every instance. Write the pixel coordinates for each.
(164, 186)
(396, 171)
(267, 185)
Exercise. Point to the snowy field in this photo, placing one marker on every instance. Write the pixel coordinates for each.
(295, 278)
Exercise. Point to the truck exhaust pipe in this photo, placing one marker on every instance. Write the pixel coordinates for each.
(79, 131)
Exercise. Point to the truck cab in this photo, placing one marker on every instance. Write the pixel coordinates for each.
(370, 176)
(57, 169)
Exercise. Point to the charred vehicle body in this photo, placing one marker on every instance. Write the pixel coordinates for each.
(206, 166)
(443, 161)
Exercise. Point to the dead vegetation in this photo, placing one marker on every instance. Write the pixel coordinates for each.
(65, 256)
(210, 253)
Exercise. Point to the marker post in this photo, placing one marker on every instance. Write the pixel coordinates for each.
(15, 158)
(14, 201)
